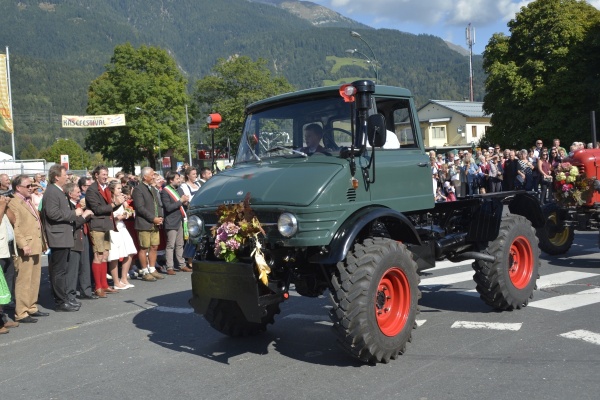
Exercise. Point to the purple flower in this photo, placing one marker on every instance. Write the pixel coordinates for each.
(232, 244)
(231, 228)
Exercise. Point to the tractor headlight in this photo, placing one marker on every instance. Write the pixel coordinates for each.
(195, 226)
(287, 225)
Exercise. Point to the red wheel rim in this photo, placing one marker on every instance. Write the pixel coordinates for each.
(392, 302)
(520, 261)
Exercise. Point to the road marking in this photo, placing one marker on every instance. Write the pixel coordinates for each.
(568, 301)
(83, 325)
(449, 264)
(584, 335)
(447, 279)
(306, 317)
(176, 310)
(487, 325)
(549, 281)
(420, 322)
(561, 278)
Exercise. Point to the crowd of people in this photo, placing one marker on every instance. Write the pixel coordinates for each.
(461, 173)
(92, 228)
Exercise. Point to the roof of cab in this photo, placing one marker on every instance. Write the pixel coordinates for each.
(380, 90)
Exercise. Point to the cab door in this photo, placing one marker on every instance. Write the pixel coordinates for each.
(403, 179)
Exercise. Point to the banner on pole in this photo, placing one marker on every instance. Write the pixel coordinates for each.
(93, 121)
(6, 121)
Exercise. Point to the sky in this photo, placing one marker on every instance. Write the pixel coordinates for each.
(447, 19)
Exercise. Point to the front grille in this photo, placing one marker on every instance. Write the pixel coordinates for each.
(268, 217)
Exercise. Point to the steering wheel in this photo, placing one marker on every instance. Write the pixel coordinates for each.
(329, 141)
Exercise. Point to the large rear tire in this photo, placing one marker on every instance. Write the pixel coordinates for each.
(375, 300)
(555, 237)
(508, 282)
(227, 317)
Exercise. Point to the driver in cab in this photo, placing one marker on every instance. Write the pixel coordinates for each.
(313, 133)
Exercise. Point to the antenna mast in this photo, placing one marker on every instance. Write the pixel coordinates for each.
(470, 36)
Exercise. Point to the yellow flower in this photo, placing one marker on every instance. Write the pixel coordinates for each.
(574, 171)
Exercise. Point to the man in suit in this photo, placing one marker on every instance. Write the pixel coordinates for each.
(31, 243)
(148, 219)
(99, 200)
(59, 222)
(174, 216)
(7, 236)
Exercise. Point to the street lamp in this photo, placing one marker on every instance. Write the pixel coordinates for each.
(371, 62)
(358, 36)
(158, 130)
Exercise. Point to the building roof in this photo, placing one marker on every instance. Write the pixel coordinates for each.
(473, 109)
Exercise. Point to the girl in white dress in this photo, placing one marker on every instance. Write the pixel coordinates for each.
(122, 247)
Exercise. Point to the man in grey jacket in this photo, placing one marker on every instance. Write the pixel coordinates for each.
(148, 220)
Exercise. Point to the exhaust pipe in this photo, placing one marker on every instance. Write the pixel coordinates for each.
(467, 255)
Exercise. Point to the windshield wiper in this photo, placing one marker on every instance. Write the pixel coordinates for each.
(279, 148)
(254, 154)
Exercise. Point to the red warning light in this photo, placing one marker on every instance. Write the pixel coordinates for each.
(348, 91)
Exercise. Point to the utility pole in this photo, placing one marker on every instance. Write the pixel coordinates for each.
(470, 36)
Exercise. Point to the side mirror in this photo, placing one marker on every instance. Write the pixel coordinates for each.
(376, 132)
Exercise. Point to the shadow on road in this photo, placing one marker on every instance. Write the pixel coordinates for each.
(179, 329)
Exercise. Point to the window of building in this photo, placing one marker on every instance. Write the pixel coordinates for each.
(438, 132)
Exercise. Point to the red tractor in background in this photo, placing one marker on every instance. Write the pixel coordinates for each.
(577, 205)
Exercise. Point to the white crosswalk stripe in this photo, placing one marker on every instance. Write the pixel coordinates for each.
(556, 303)
(562, 278)
(447, 279)
(550, 281)
(581, 334)
(569, 301)
(487, 325)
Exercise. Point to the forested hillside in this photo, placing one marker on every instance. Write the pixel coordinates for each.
(57, 49)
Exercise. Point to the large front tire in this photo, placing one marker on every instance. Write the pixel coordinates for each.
(508, 282)
(555, 237)
(375, 300)
(227, 317)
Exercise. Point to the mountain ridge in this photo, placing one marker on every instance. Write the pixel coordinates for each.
(58, 48)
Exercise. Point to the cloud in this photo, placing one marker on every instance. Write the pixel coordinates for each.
(429, 13)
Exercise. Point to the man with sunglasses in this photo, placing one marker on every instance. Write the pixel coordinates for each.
(30, 243)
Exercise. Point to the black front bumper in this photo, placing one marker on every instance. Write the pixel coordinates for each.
(229, 281)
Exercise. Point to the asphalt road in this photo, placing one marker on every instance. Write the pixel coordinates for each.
(146, 343)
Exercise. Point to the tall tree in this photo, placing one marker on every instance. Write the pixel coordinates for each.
(78, 158)
(148, 87)
(541, 78)
(234, 84)
(29, 152)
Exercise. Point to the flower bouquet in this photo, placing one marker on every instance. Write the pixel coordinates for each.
(570, 186)
(237, 224)
(129, 211)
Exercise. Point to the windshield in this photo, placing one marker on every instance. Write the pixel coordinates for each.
(320, 126)
(303, 129)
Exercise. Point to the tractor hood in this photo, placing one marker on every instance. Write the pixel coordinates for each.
(294, 183)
